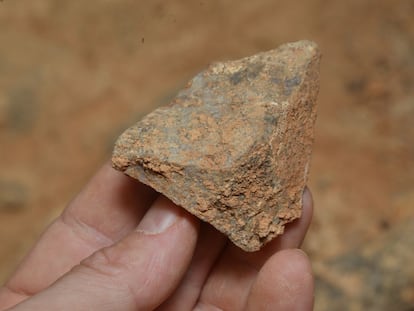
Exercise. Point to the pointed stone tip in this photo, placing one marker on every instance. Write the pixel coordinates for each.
(311, 45)
(309, 48)
(306, 45)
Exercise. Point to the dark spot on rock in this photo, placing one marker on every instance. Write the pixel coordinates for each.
(289, 84)
(254, 70)
(292, 82)
(237, 77)
(249, 73)
(277, 76)
(276, 80)
(271, 119)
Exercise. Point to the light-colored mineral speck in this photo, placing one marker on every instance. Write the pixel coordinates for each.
(233, 148)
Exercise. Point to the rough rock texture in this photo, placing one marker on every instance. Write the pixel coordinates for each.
(233, 148)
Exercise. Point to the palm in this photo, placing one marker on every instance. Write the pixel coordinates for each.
(200, 269)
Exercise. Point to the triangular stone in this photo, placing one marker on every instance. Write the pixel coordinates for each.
(233, 148)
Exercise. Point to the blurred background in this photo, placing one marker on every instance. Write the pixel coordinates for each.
(74, 74)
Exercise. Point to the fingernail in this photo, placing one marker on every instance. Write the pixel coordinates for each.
(162, 215)
(307, 197)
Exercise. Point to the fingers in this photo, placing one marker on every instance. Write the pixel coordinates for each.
(284, 283)
(109, 207)
(137, 273)
(209, 245)
(228, 284)
(111, 203)
(296, 231)
(113, 277)
(230, 280)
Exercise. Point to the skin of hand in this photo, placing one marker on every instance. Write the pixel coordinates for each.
(121, 246)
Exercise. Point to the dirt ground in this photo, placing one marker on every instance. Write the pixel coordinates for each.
(74, 74)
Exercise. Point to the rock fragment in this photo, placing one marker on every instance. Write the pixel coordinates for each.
(233, 148)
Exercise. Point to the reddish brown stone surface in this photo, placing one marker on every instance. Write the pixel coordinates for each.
(233, 148)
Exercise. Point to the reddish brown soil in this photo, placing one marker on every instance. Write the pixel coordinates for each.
(73, 74)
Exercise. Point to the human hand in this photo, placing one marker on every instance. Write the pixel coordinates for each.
(121, 246)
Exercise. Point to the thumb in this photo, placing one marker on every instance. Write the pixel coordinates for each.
(137, 273)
